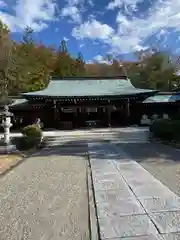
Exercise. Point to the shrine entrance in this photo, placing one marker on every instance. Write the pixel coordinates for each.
(91, 117)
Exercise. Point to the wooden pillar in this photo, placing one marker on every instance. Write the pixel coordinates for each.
(55, 112)
(128, 111)
(109, 117)
(75, 114)
(109, 114)
(128, 107)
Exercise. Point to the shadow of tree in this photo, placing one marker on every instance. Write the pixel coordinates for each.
(112, 149)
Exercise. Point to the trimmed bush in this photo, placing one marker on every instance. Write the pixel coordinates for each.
(32, 131)
(32, 136)
(166, 129)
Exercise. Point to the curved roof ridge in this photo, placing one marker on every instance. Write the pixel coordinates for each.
(88, 87)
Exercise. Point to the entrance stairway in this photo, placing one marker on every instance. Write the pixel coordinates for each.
(78, 138)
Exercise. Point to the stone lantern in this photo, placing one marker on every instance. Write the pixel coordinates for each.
(6, 124)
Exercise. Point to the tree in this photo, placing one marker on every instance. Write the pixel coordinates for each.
(6, 49)
(154, 72)
(80, 65)
(63, 47)
(28, 35)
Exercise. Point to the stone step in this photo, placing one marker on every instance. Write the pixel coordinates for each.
(97, 137)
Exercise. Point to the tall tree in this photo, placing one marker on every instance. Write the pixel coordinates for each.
(80, 65)
(154, 72)
(63, 47)
(65, 65)
(28, 35)
(6, 49)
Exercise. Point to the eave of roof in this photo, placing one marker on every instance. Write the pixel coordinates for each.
(163, 98)
(88, 87)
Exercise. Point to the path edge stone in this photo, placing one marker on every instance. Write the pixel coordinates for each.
(93, 221)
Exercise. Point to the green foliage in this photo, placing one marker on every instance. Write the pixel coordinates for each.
(28, 35)
(32, 136)
(32, 131)
(27, 66)
(166, 129)
(154, 72)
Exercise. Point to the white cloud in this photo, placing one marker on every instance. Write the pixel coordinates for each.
(93, 30)
(132, 32)
(98, 58)
(2, 4)
(71, 12)
(74, 2)
(128, 4)
(91, 3)
(33, 13)
(81, 45)
(139, 48)
(66, 39)
(101, 59)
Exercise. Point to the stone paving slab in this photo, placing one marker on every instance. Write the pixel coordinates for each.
(105, 171)
(162, 161)
(135, 205)
(132, 169)
(135, 182)
(113, 195)
(100, 186)
(171, 236)
(126, 226)
(102, 167)
(167, 222)
(119, 208)
(145, 237)
(152, 190)
(105, 178)
(161, 204)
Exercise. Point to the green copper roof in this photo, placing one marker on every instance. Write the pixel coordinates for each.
(87, 87)
(163, 98)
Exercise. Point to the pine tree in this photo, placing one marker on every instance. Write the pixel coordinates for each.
(63, 47)
(28, 36)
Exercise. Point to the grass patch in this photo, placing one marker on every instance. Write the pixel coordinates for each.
(7, 161)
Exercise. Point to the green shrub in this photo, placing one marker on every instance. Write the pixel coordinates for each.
(166, 129)
(32, 136)
(32, 131)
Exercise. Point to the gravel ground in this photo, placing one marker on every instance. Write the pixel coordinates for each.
(45, 198)
(161, 161)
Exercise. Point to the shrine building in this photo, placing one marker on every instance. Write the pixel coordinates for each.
(80, 102)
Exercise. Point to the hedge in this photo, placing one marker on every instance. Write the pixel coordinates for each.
(166, 129)
(32, 136)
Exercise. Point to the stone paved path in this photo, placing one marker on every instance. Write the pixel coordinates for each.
(162, 161)
(131, 203)
(45, 198)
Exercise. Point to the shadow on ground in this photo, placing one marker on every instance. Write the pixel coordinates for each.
(140, 152)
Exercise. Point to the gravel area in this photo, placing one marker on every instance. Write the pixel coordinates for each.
(162, 161)
(45, 198)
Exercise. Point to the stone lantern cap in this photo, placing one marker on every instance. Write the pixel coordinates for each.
(6, 112)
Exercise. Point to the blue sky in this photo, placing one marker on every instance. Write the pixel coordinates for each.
(97, 28)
